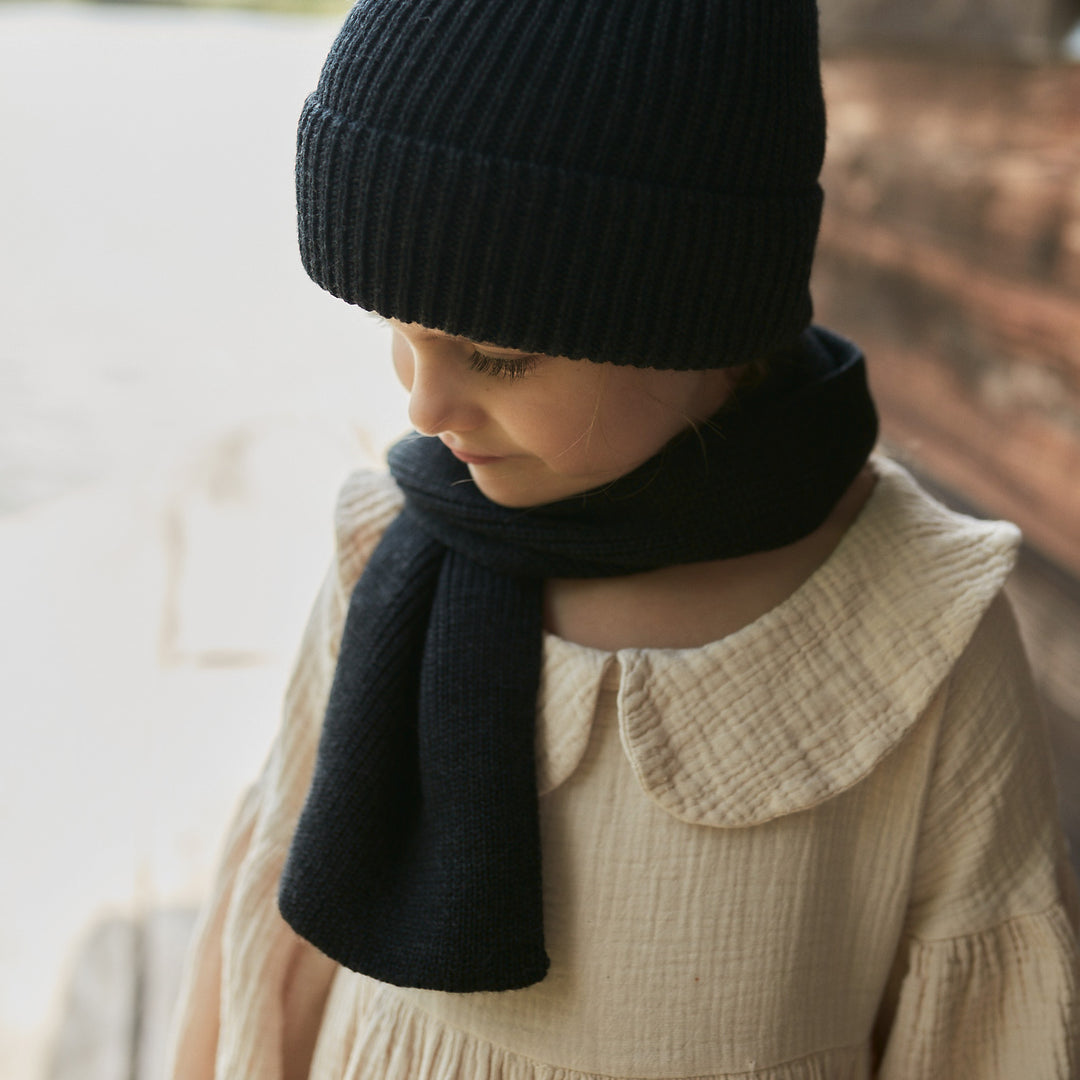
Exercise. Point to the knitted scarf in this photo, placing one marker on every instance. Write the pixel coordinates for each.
(416, 859)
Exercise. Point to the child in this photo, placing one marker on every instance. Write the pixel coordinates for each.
(645, 726)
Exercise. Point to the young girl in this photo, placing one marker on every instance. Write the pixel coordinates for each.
(645, 726)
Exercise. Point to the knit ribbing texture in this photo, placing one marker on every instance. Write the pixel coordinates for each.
(630, 181)
(416, 859)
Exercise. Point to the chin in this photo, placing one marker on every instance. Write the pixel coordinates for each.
(520, 496)
(512, 500)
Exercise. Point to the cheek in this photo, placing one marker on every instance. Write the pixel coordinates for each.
(655, 406)
(633, 423)
(566, 426)
(603, 431)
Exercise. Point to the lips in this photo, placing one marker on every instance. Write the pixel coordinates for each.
(471, 458)
(474, 459)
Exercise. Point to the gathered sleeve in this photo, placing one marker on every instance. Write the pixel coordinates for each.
(987, 981)
(252, 994)
(253, 991)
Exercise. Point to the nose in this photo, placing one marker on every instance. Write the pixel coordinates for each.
(442, 397)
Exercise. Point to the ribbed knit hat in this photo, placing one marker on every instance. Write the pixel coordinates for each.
(632, 181)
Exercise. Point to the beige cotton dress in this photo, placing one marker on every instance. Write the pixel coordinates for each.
(823, 848)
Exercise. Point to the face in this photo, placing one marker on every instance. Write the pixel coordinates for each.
(534, 428)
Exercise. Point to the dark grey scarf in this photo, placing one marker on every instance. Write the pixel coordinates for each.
(416, 859)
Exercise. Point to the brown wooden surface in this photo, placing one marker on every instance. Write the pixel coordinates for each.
(1025, 28)
(950, 250)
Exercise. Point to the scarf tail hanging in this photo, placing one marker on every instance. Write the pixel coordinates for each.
(416, 859)
(477, 725)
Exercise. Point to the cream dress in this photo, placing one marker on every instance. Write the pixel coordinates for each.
(823, 848)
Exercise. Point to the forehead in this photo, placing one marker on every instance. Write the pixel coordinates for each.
(416, 332)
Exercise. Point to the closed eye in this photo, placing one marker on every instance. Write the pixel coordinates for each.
(507, 367)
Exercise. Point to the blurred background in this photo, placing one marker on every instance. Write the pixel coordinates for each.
(178, 405)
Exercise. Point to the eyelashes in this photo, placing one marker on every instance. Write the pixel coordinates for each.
(506, 367)
(502, 367)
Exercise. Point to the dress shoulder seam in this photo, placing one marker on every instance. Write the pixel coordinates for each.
(1056, 907)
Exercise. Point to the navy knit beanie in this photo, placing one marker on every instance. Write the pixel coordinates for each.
(632, 181)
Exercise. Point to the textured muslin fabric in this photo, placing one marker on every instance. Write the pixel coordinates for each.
(825, 846)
